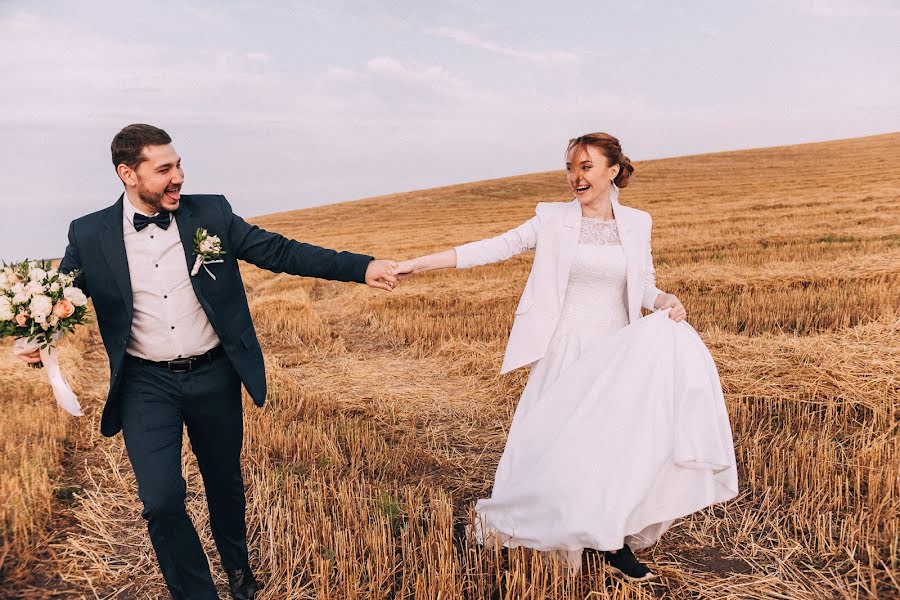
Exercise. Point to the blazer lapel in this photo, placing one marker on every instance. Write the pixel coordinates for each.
(568, 243)
(629, 240)
(187, 224)
(112, 244)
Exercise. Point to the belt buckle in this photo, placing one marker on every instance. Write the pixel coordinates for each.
(180, 365)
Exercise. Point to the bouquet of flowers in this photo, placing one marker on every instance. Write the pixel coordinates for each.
(38, 304)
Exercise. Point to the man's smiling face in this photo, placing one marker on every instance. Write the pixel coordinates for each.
(158, 178)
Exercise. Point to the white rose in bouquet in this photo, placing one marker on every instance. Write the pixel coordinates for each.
(11, 277)
(54, 287)
(6, 309)
(34, 288)
(40, 308)
(52, 273)
(75, 296)
(37, 274)
(20, 296)
(4, 281)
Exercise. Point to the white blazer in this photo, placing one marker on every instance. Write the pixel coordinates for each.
(553, 232)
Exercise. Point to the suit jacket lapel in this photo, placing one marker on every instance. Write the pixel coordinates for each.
(112, 243)
(568, 243)
(632, 251)
(187, 224)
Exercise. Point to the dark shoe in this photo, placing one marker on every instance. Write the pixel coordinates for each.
(622, 563)
(242, 584)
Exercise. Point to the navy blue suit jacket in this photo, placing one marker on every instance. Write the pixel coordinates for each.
(97, 248)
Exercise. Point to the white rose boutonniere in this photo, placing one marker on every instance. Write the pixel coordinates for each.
(208, 249)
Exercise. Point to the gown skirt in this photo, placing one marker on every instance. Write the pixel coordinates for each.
(615, 436)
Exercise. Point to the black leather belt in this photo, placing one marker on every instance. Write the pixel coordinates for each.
(181, 365)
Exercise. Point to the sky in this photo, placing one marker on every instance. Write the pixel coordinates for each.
(287, 105)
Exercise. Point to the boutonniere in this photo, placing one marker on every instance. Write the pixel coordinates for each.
(208, 249)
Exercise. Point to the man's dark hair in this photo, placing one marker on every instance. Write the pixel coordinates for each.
(128, 145)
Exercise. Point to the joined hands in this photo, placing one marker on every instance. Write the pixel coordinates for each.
(380, 274)
(386, 274)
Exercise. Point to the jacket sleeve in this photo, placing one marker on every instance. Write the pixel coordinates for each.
(650, 289)
(499, 248)
(279, 254)
(72, 262)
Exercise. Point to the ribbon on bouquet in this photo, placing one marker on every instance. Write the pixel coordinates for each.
(202, 263)
(64, 395)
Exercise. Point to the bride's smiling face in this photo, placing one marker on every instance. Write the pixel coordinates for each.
(588, 173)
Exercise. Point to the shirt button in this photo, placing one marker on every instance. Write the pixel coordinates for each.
(151, 237)
(165, 297)
(157, 266)
(173, 327)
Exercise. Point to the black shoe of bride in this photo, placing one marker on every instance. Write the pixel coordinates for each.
(622, 563)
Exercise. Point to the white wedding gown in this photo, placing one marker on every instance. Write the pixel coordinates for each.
(620, 429)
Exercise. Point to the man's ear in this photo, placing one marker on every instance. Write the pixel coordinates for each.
(127, 175)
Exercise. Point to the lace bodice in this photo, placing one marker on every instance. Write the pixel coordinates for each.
(595, 296)
(599, 232)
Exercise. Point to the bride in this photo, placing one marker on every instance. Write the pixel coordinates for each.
(622, 427)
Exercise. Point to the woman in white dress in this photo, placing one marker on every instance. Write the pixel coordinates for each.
(622, 426)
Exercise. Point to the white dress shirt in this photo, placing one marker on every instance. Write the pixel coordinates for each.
(168, 321)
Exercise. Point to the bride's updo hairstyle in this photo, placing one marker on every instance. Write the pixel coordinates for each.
(610, 148)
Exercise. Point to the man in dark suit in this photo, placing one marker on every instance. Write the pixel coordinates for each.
(181, 344)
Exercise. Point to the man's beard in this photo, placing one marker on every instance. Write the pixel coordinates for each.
(152, 199)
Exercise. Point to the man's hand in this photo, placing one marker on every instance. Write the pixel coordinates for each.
(671, 301)
(380, 274)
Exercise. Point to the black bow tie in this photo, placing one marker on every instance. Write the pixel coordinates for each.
(161, 219)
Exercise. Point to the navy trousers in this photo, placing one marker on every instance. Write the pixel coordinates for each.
(156, 405)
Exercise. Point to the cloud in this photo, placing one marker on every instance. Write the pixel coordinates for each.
(434, 76)
(341, 75)
(466, 38)
(387, 91)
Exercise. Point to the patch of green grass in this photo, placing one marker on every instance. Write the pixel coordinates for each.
(391, 509)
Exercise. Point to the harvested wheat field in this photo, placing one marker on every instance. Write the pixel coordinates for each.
(387, 416)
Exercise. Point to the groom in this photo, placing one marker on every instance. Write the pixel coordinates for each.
(181, 345)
